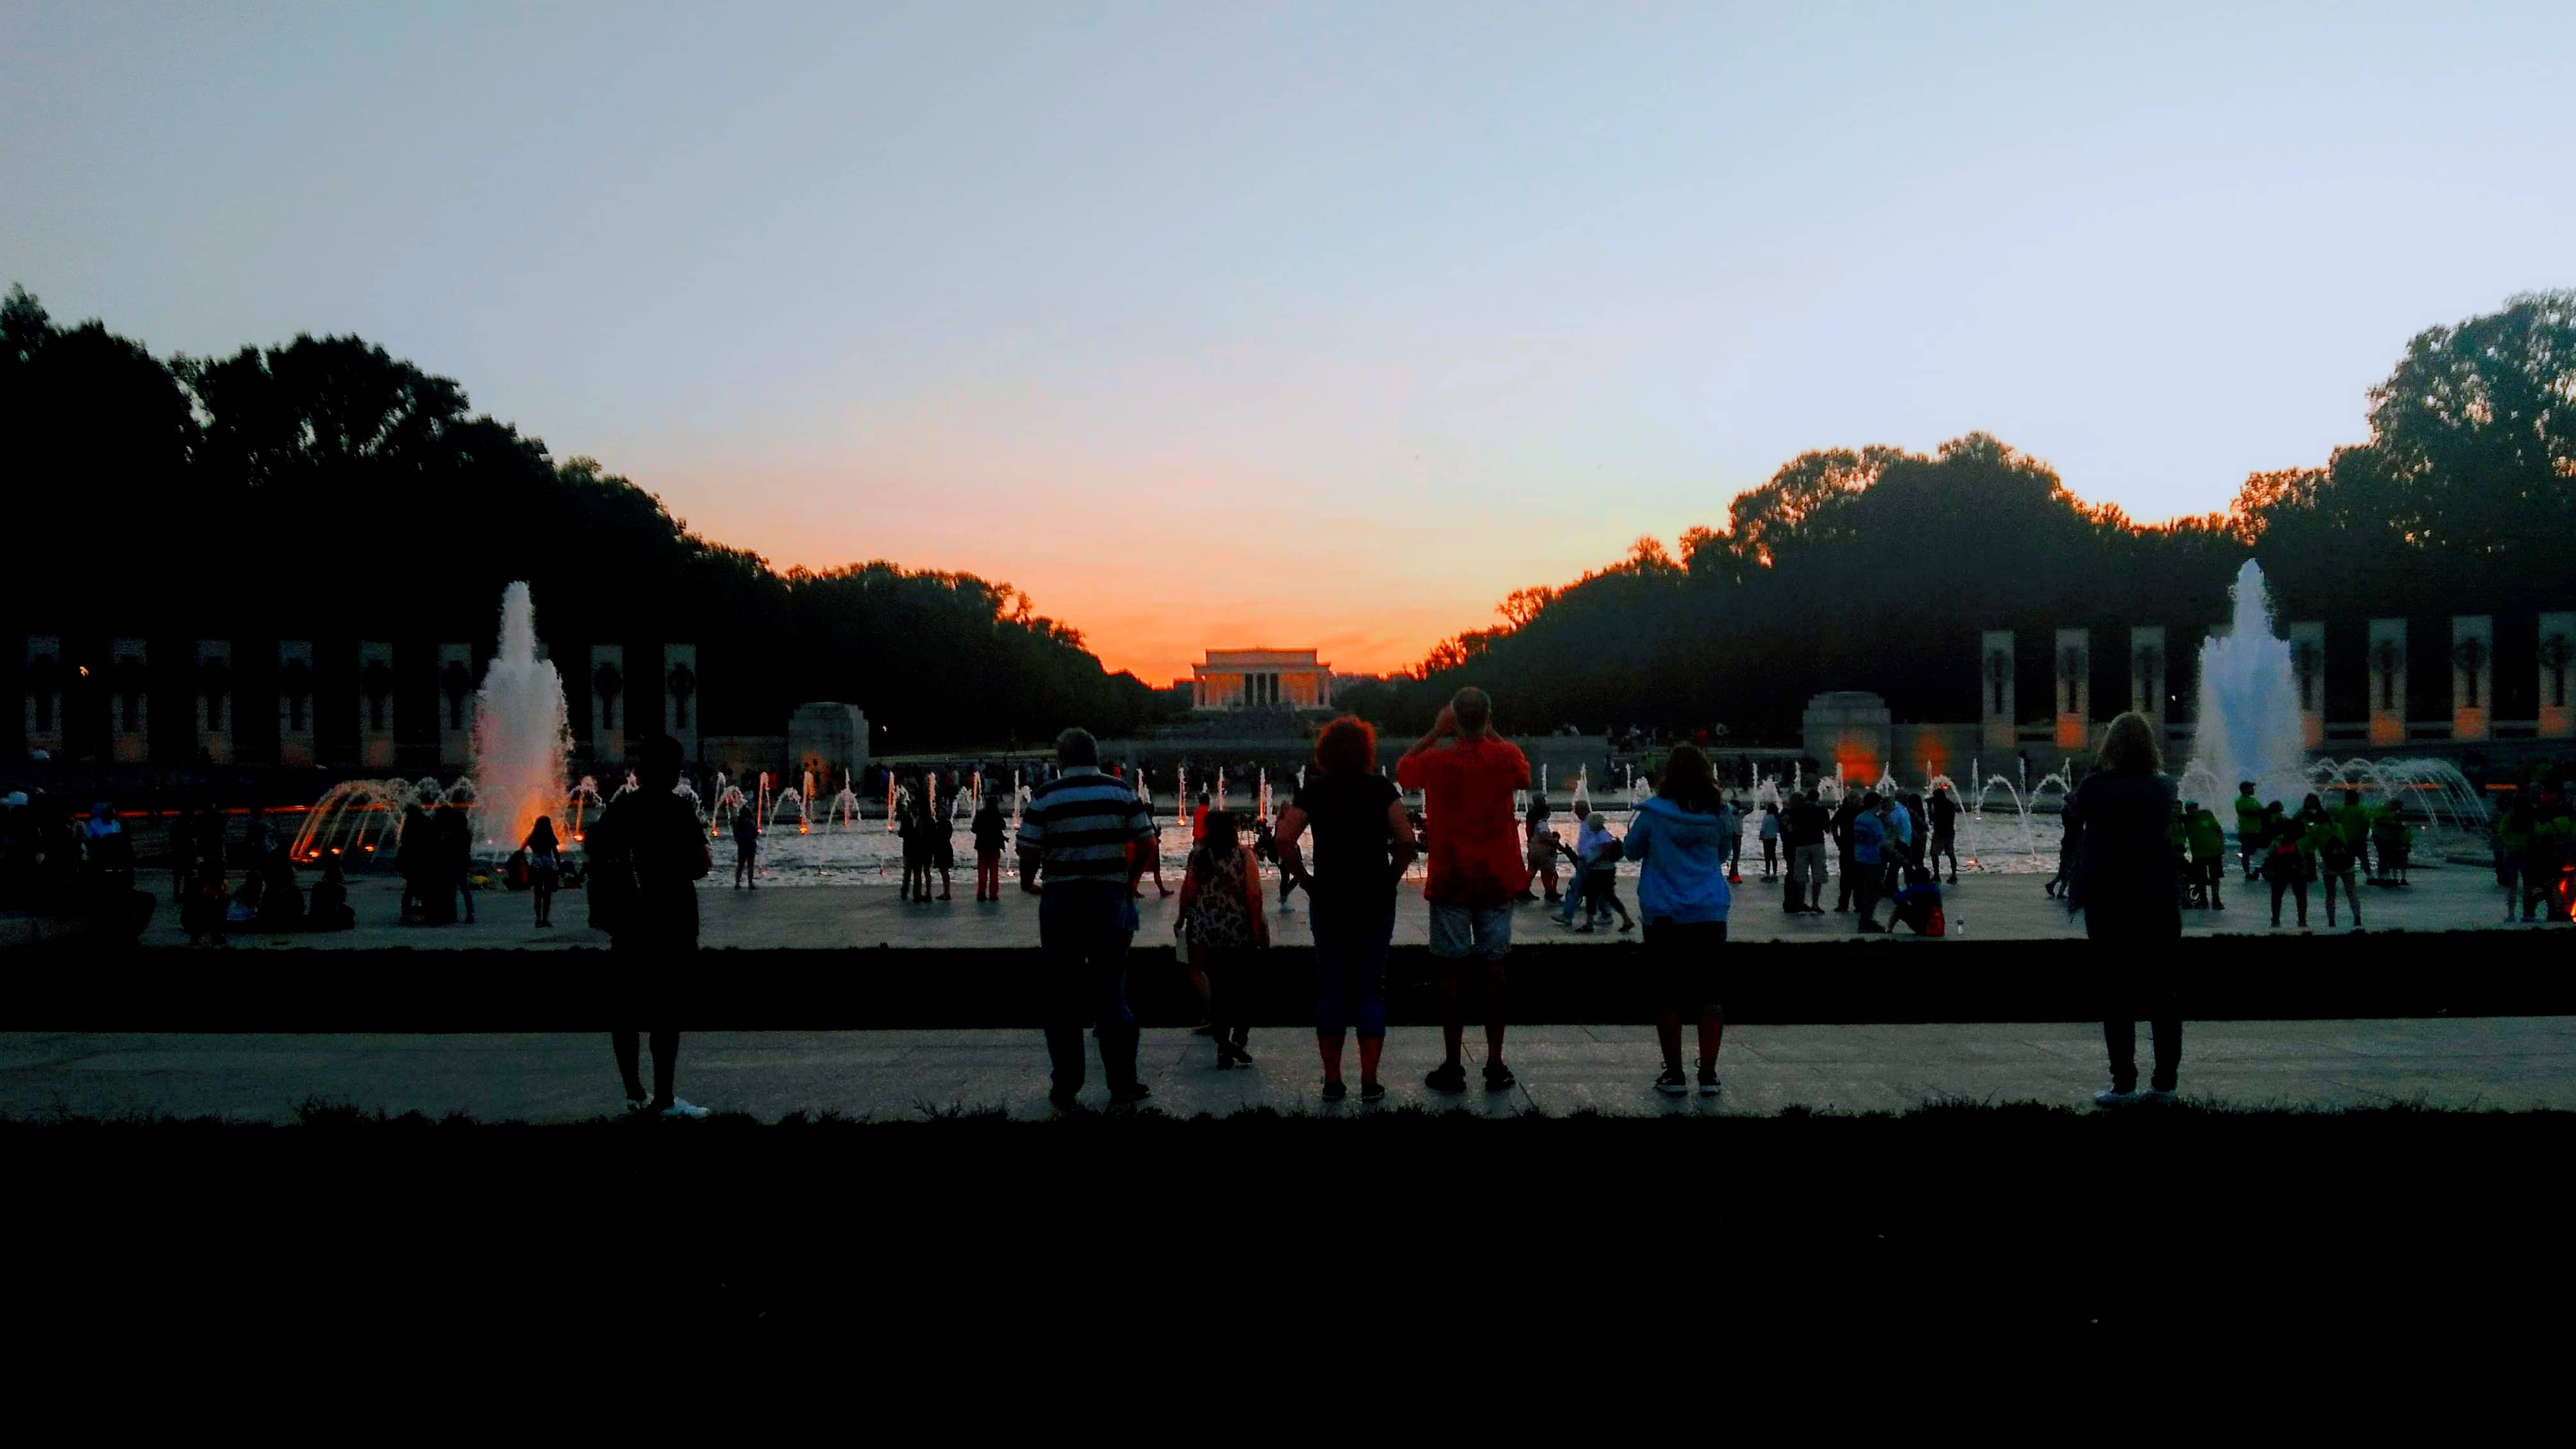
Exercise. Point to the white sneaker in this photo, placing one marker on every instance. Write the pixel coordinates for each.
(2112, 1097)
(683, 1107)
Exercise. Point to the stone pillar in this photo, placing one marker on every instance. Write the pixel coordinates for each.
(2386, 660)
(213, 687)
(295, 702)
(45, 668)
(129, 701)
(2472, 675)
(2073, 665)
(2148, 665)
(2557, 659)
(680, 697)
(608, 703)
(2308, 677)
(1995, 692)
(376, 705)
(456, 706)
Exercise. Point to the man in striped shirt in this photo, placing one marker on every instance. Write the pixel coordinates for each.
(1075, 833)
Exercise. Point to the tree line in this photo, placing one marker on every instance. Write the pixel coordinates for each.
(323, 488)
(1876, 568)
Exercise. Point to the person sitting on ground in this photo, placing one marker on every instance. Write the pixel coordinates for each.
(1220, 912)
(1679, 843)
(281, 905)
(329, 909)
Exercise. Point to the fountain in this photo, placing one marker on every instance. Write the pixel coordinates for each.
(522, 740)
(2249, 703)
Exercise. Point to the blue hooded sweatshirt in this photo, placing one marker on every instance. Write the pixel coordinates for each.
(1684, 856)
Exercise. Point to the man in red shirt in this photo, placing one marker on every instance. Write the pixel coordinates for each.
(1477, 868)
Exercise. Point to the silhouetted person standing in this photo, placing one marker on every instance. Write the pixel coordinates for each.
(647, 854)
(1363, 842)
(1846, 810)
(746, 846)
(1477, 869)
(2124, 880)
(1079, 833)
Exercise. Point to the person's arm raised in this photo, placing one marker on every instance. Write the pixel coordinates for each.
(1442, 728)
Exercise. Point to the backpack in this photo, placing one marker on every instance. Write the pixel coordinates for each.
(1218, 917)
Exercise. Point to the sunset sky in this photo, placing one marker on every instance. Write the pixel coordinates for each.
(1223, 325)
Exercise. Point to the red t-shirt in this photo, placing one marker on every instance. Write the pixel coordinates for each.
(1467, 785)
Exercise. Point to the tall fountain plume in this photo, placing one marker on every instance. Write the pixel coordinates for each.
(2249, 727)
(522, 740)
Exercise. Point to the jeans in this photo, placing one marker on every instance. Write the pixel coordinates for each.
(1865, 882)
(2138, 982)
(1350, 966)
(1573, 900)
(1084, 928)
(1845, 880)
(2296, 886)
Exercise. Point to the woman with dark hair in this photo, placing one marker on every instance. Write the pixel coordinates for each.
(1680, 841)
(543, 860)
(2124, 880)
(1363, 842)
(1221, 912)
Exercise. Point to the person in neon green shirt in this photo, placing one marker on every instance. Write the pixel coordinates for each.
(2353, 819)
(2249, 826)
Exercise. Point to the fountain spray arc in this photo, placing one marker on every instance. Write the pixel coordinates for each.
(522, 737)
(2248, 726)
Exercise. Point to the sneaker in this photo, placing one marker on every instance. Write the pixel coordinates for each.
(1499, 1078)
(1064, 1101)
(1584, 930)
(1235, 1052)
(683, 1107)
(2111, 1096)
(1447, 1077)
(1672, 1083)
(637, 1106)
(1708, 1083)
(1336, 1089)
(1129, 1096)
(2155, 1096)
(1372, 1091)
(1626, 926)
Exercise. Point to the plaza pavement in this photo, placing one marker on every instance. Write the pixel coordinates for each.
(1982, 907)
(2497, 1062)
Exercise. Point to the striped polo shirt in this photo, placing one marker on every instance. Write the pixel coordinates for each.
(1080, 823)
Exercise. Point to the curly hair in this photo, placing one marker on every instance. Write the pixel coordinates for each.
(1347, 746)
(2129, 746)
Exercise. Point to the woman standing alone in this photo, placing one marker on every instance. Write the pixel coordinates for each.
(1681, 841)
(2124, 880)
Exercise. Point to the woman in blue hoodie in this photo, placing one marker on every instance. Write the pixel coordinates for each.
(1681, 843)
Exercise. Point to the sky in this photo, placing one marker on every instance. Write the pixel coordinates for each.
(1223, 325)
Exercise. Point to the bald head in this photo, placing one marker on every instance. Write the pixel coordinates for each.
(1473, 709)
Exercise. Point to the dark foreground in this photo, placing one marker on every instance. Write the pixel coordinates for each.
(2083, 1230)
